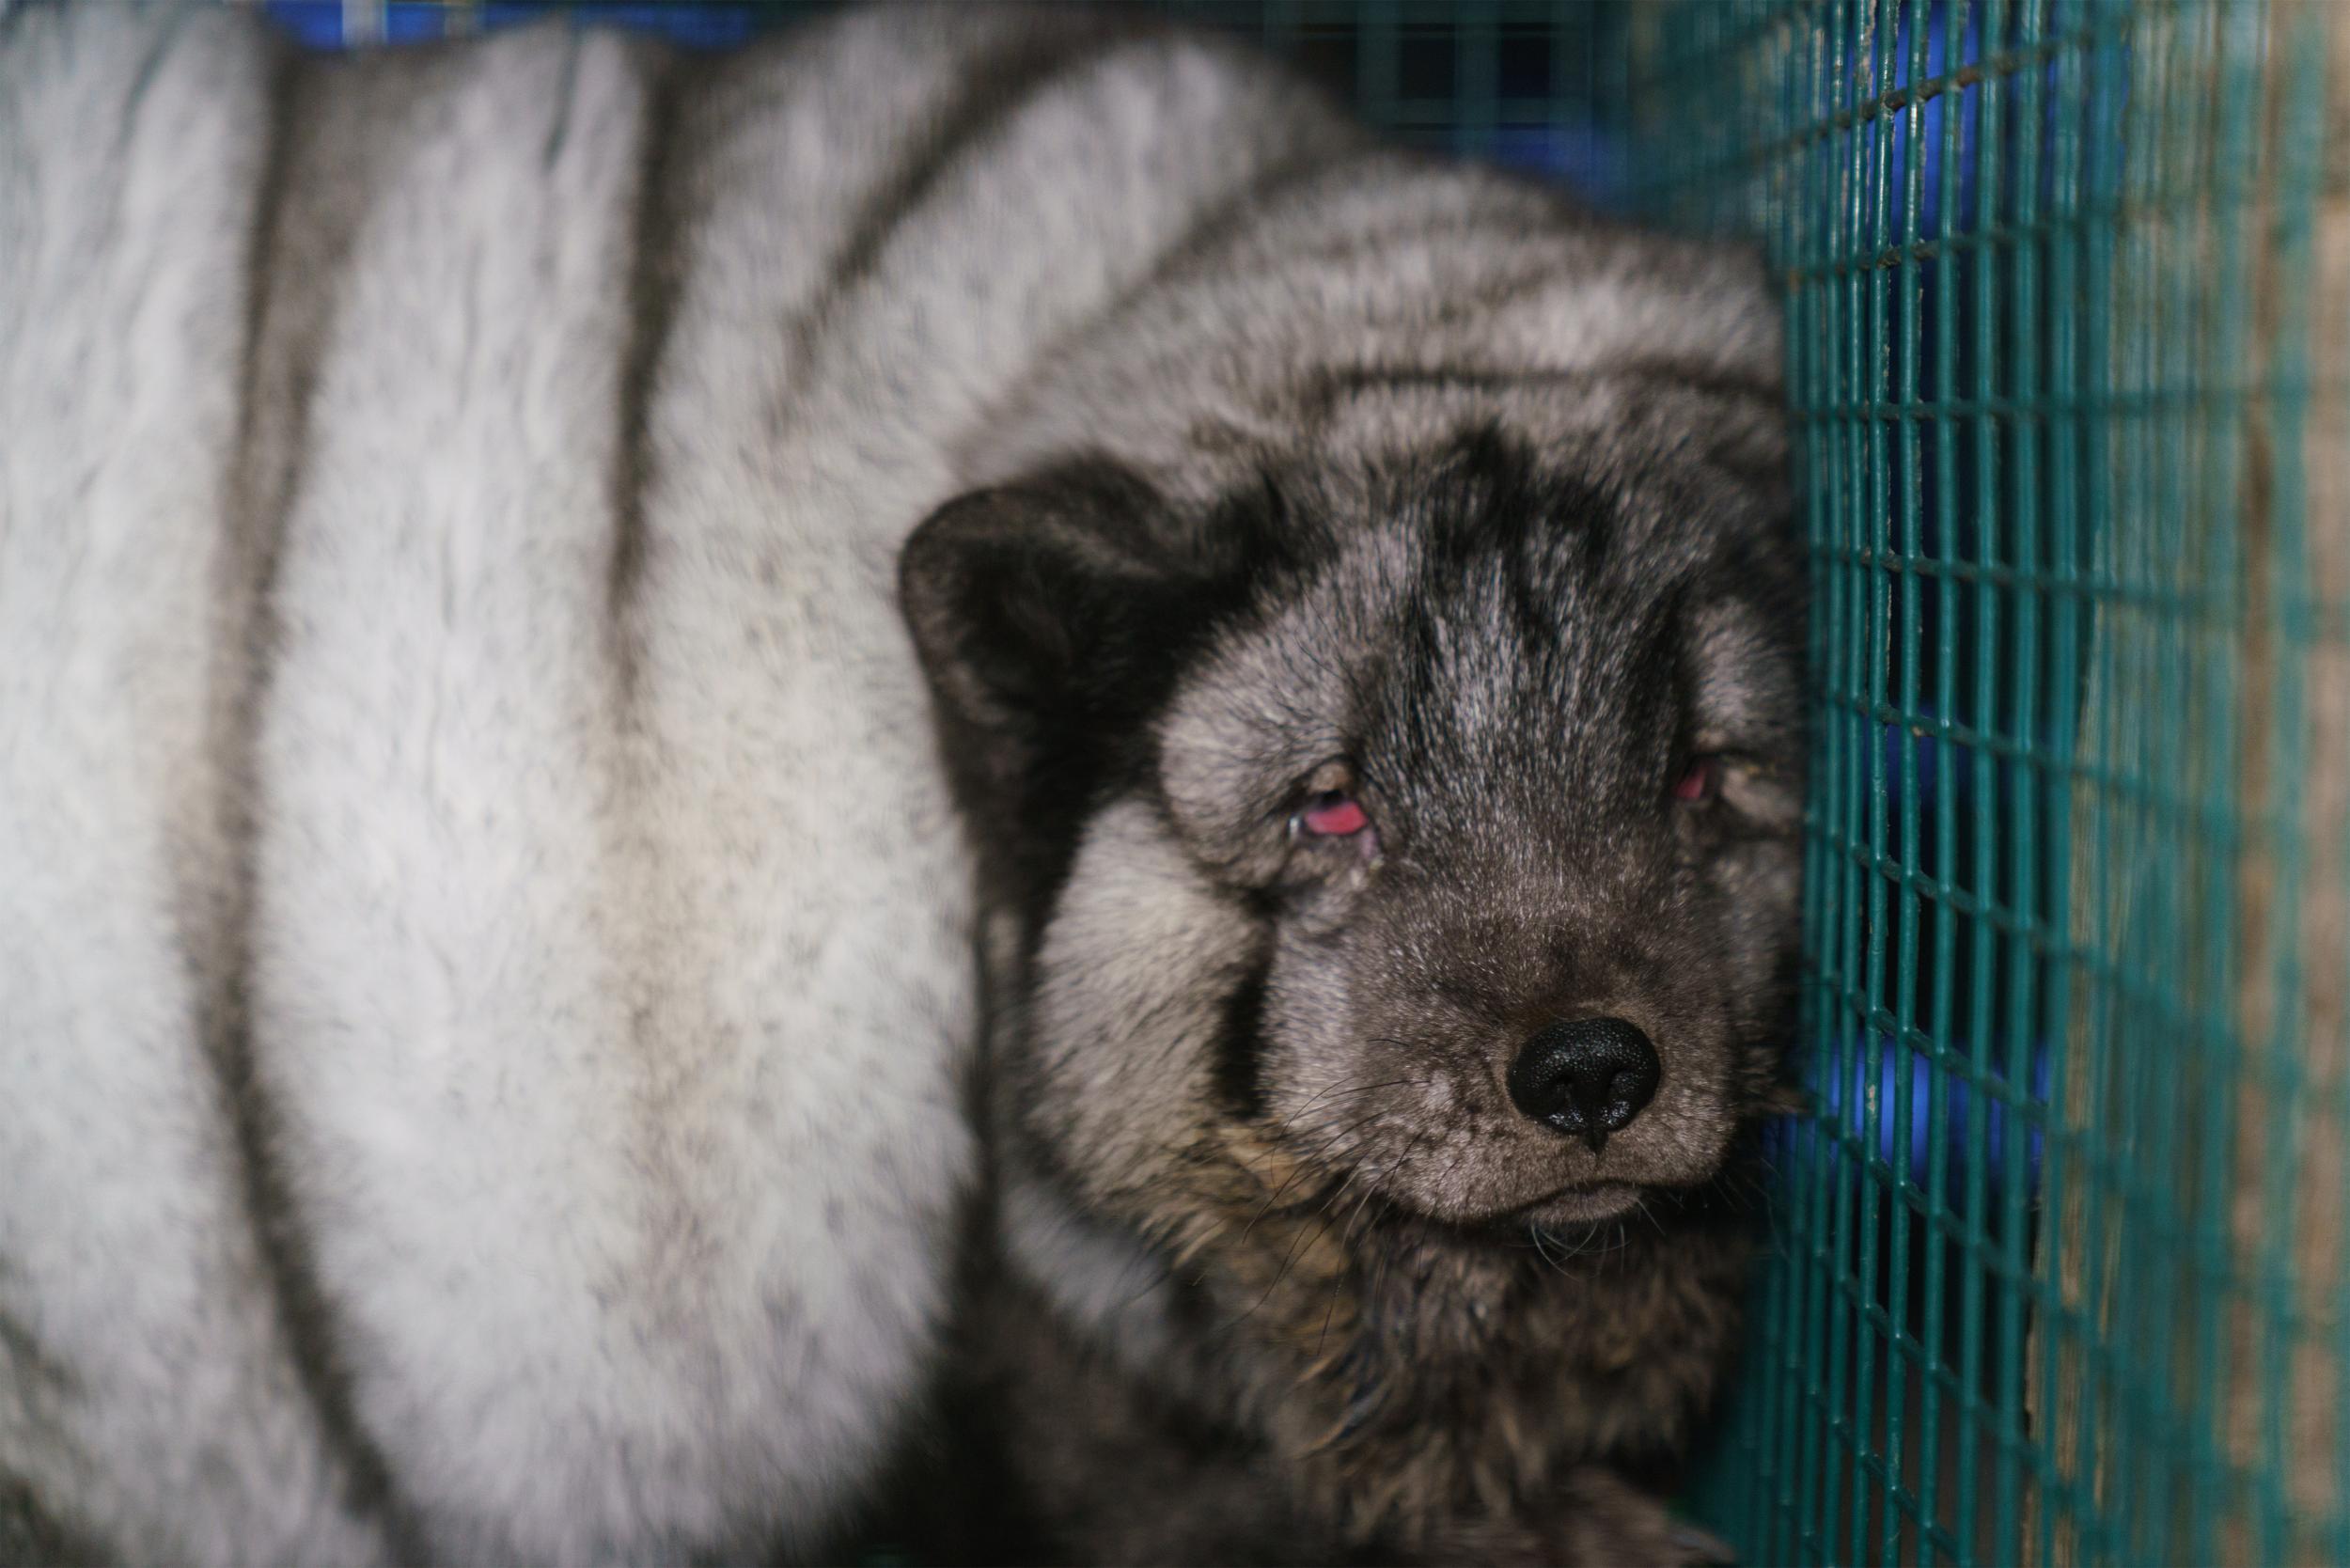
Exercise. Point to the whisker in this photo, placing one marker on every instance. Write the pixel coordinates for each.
(1303, 1164)
(1290, 1121)
(1321, 1231)
(1535, 1232)
(1370, 1187)
(1287, 1261)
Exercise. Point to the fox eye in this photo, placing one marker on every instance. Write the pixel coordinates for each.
(1700, 782)
(1332, 814)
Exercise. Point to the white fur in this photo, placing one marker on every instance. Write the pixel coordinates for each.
(148, 1397)
(444, 912)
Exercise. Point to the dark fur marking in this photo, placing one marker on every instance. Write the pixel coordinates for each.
(20, 1351)
(1238, 1055)
(1710, 381)
(299, 89)
(565, 93)
(32, 1537)
(1229, 217)
(996, 88)
(653, 283)
(1685, 376)
(150, 68)
(1332, 385)
(1497, 498)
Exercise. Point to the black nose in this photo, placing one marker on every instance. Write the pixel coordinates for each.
(1584, 1076)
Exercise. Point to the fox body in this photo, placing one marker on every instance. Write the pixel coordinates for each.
(499, 908)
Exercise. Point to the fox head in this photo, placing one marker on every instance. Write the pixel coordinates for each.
(1425, 817)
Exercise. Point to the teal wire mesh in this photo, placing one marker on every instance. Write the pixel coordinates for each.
(2058, 1263)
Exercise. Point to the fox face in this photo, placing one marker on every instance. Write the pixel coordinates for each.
(1424, 822)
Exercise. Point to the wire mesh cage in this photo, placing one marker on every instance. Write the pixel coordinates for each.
(2060, 1262)
(2060, 1256)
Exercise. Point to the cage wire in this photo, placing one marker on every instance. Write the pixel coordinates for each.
(2060, 1262)
(2058, 1272)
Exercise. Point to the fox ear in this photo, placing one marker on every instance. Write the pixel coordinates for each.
(1051, 616)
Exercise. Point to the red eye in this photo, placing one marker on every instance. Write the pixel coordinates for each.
(1333, 814)
(1698, 783)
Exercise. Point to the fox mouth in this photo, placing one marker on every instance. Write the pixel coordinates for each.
(1584, 1203)
(1594, 1200)
(1474, 1194)
(1561, 1213)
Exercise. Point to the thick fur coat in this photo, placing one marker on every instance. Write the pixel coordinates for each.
(491, 957)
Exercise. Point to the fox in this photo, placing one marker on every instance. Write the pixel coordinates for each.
(965, 737)
(1386, 768)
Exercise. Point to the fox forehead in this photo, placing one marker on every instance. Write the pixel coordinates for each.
(1477, 647)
